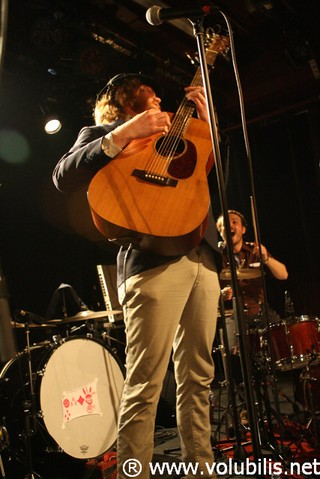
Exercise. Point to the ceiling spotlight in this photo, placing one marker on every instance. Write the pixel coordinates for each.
(52, 125)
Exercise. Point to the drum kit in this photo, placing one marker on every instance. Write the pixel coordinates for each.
(290, 345)
(61, 395)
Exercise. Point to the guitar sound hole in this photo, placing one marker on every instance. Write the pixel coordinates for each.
(170, 145)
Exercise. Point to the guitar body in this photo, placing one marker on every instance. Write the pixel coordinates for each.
(158, 205)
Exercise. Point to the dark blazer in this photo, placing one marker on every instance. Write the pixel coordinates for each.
(78, 166)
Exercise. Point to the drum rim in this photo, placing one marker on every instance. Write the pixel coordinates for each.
(302, 318)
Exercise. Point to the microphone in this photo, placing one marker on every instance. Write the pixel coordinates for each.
(156, 15)
(22, 316)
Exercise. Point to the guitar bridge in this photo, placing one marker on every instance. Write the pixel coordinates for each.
(154, 178)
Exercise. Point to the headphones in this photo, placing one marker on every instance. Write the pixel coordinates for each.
(112, 85)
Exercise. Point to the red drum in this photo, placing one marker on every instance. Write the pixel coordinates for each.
(304, 340)
(78, 384)
(307, 388)
(280, 345)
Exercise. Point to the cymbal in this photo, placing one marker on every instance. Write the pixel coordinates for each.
(242, 273)
(16, 325)
(87, 314)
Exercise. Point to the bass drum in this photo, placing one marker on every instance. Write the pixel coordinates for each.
(77, 386)
(80, 396)
(307, 388)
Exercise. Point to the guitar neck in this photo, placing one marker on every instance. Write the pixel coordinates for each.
(187, 108)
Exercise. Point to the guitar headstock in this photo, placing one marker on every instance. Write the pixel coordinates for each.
(216, 44)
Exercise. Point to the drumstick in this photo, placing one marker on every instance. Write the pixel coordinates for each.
(254, 221)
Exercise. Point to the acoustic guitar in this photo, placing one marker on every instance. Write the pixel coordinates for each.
(155, 194)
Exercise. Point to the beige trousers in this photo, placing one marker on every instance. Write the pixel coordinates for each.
(171, 307)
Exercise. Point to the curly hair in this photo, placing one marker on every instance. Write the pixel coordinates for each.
(110, 104)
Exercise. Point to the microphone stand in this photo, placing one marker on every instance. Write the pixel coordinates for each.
(237, 303)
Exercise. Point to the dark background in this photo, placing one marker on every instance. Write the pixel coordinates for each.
(47, 237)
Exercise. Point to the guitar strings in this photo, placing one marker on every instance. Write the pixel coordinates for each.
(171, 140)
(159, 162)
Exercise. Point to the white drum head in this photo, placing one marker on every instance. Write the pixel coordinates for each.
(80, 396)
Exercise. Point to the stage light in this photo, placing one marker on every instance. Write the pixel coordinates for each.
(52, 125)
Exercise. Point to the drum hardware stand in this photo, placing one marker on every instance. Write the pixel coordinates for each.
(288, 306)
(29, 413)
(92, 327)
(312, 421)
(75, 329)
(220, 417)
(239, 451)
(267, 433)
(94, 333)
(272, 372)
(4, 443)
